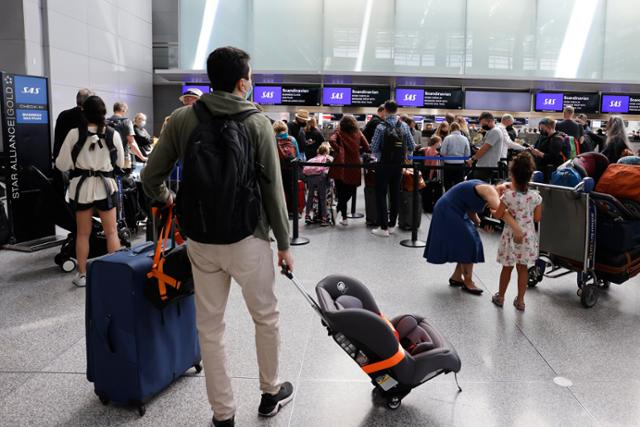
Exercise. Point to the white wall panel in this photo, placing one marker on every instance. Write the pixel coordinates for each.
(104, 45)
(102, 15)
(74, 8)
(68, 33)
(104, 75)
(130, 27)
(69, 68)
(140, 9)
(621, 58)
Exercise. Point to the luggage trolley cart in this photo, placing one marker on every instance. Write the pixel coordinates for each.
(567, 234)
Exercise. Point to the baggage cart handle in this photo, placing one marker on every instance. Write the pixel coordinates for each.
(287, 272)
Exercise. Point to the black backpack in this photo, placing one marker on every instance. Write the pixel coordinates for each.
(83, 134)
(219, 199)
(121, 125)
(394, 149)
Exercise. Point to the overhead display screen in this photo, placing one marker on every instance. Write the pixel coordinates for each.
(203, 88)
(500, 101)
(287, 95)
(357, 96)
(587, 103)
(443, 98)
(621, 104)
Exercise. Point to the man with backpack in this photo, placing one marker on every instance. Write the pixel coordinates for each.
(548, 150)
(391, 143)
(372, 125)
(124, 127)
(230, 197)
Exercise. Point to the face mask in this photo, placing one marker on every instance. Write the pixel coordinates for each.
(543, 132)
(283, 135)
(248, 95)
(486, 127)
(143, 124)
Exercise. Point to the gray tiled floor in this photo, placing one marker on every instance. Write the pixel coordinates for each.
(509, 359)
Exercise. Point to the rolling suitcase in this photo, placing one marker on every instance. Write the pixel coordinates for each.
(430, 195)
(405, 211)
(370, 206)
(617, 267)
(135, 350)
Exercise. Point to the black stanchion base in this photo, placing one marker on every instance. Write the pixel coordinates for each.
(356, 215)
(413, 243)
(299, 241)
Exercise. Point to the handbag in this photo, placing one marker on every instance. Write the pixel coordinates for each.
(170, 277)
(407, 180)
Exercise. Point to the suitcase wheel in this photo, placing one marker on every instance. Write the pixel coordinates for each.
(534, 277)
(394, 403)
(68, 265)
(142, 410)
(198, 367)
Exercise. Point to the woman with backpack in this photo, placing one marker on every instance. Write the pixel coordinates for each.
(287, 152)
(348, 143)
(92, 153)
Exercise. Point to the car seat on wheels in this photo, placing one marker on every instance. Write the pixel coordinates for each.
(398, 355)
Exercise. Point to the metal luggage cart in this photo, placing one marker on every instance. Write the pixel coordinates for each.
(567, 234)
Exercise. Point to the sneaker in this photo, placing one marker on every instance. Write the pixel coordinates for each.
(270, 404)
(307, 220)
(325, 222)
(80, 280)
(380, 232)
(344, 222)
(391, 230)
(226, 423)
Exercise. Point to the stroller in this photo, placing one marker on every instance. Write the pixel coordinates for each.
(398, 354)
(64, 218)
(330, 203)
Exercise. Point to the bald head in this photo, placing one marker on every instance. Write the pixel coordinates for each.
(82, 96)
(568, 112)
(507, 120)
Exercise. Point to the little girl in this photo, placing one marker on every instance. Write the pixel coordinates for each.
(525, 206)
(317, 180)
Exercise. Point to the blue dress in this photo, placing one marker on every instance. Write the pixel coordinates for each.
(452, 235)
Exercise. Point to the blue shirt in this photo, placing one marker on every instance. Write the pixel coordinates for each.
(378, 137)
(455, 145)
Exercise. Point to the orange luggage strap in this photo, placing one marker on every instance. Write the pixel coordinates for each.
(386, 363)
(157, 270)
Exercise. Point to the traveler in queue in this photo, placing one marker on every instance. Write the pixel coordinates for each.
(417, 136)
(297, 126)
(449, 118)
(548, 149)
(428, 130)
(453, 237)
(90, 153)
(454, 145)
(490, 152)
(617, 144)
(250, 261)
(371, 126)
(142, 137)
(391, 143)
(443, 130)
(569, 126)
(348, 143)
(190, 96)
(464, 128)
(506, 124)
(313, 138)
(288, 151)
(67, 120)
(124, 127)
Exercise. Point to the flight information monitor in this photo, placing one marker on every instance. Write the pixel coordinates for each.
(286, 95)
(356, 96)
(442, 98)
(587, 103)
(621, 103)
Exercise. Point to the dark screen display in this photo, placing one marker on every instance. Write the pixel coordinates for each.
(287, 95)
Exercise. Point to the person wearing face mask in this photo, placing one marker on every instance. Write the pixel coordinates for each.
(142, 137)
(490, 152)
(248, 261)
(548, 149)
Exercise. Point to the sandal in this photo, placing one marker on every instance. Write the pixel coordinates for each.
(517, 305)
(497, 300)
(473, 291)
(455, 283)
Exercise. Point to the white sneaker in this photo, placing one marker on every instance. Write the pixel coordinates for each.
(80, 280)
(380, 232)
(391, 230)
(344, 222)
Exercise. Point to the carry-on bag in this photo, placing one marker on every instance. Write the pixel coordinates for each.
(617, 267)
(371, 212)
(135, 350)
(621, 181)
(431, 194)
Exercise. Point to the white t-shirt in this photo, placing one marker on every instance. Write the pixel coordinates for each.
(93, 159)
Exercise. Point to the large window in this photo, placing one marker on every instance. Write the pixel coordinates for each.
(565, 39)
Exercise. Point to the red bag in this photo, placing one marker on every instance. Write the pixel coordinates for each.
(301, 198)
(621, 181)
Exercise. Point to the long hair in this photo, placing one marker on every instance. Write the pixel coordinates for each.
(94, 111)
(441, 132)
(348, 125)
(311, 124)
(616, 131)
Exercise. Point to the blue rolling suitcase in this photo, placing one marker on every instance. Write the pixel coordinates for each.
(135, 350)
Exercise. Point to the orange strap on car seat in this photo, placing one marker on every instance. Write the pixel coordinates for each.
(386, 363)
(390, 326)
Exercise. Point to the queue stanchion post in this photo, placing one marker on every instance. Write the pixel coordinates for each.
(354, 214)
(296, 240)
(415, 212)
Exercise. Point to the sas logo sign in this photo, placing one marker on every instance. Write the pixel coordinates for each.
(268, 95)
(30, 90)
(410, 97)
(337, 96)
(614, 104)
(550, 101)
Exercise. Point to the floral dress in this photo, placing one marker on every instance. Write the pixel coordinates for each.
(521, 206)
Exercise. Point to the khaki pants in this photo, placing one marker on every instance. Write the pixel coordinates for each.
(250, 263)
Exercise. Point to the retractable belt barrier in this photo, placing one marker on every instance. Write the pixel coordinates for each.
(297, 240)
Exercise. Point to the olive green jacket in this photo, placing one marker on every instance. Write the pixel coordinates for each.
(172, 146)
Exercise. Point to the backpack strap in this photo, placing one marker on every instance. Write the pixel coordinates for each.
(83, 134)
(204, 114)
(113, 152)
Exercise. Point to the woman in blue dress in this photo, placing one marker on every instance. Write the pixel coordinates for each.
(453, 236)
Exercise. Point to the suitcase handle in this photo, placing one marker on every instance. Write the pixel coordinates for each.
(107, 334)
